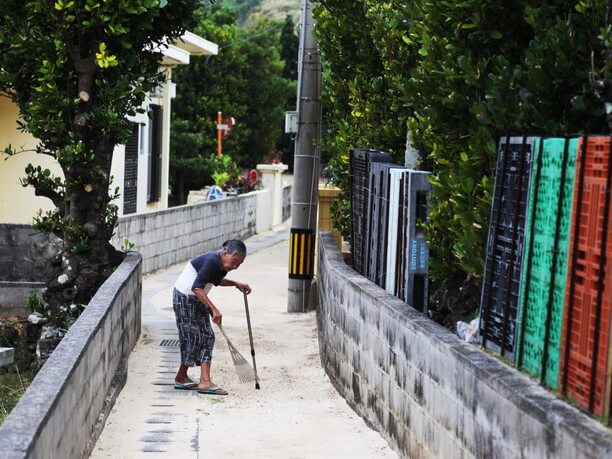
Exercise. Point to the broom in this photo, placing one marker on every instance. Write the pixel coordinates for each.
(246, 307)
(243, 368)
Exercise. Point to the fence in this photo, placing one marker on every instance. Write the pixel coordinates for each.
(388, 206)
(500, 291)
(361, 160)
(547, 290)
(63, 411)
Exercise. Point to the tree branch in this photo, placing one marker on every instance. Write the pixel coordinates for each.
(86, 68)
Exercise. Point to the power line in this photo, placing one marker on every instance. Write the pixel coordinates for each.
(251, 37)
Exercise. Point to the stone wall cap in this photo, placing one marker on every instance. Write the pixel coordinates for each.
(272, 167)
(328, 191)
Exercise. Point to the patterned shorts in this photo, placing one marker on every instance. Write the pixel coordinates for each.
(195, 331)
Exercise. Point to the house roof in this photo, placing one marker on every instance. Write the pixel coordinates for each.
(178, 50)
(196, 45)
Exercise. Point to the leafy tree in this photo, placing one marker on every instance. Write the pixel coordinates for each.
(289, 43)
(76, 69)
(189, 169)
(366, 69)
(289, 49)
(245, 81)
(242, 7)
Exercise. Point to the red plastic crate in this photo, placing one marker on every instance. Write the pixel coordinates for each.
(586, 356)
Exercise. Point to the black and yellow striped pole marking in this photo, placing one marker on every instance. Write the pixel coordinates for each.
(301, 254)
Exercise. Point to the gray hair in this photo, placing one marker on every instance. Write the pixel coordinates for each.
(234, 247)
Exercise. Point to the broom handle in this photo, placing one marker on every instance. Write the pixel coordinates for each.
(248, 317)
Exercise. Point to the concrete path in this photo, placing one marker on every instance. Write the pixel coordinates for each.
(296, 414)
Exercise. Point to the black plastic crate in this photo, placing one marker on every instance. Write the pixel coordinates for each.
(501, 280)
(360, 162)
(416, 266)
(379, 222)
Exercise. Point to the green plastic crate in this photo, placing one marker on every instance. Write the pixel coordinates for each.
(540, 315)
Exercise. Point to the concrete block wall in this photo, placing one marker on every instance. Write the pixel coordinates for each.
(429, 393)
(163, 238)
(264, 210)
(63, 410)
(177, 234)
(286, 213)
(23, 252)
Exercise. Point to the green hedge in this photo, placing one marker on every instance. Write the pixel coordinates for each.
(459, 75)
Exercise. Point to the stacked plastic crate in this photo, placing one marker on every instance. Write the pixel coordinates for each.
(388, 203)
(416, 282)
(542, 288)
(586, 355)
(396, 236)
(500, 290)
(360, 161)
(379, 184)
(408, 252)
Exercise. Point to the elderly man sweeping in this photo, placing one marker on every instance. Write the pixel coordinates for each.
(193, 308)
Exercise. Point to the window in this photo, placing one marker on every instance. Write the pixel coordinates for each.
(130, 174)
(155, 152)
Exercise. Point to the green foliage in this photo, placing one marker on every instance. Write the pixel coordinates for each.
(101, 48)
(35, 303)
(12, 387)
(458, 75)
(225, 171)
(365, 73)
(77, 69)
(242, 7)
(244, 81)
(289, 49)
(190, 164)
(289, 42)
(127, 245)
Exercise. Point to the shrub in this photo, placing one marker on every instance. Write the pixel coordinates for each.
(458, 75)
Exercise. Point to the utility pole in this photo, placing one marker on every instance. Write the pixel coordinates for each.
(306, 167)
(219, 135)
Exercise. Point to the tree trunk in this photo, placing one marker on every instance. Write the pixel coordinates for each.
(74, 275)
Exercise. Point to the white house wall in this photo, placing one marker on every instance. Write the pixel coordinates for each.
(117, 172)
(118, 166)
(143, 164)
(18, 204)
(166, 103)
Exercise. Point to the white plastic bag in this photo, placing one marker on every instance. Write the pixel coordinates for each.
(468, 332)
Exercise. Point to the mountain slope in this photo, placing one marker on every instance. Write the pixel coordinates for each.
(278, 9)
(274, 9)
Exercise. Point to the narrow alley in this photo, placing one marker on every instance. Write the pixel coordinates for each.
(296, 414)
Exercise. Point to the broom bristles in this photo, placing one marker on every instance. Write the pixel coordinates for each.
(243, 367)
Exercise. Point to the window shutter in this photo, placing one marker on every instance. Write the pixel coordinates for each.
(156, 153)
(130, 175)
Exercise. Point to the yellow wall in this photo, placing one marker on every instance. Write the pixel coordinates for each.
(18, 204)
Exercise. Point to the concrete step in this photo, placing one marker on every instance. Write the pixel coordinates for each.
(7, 356)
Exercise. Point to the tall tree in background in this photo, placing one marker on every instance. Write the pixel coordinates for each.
(289, 49)
(76, 69)
(242, 7)
(289, 54)
(244, 81)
